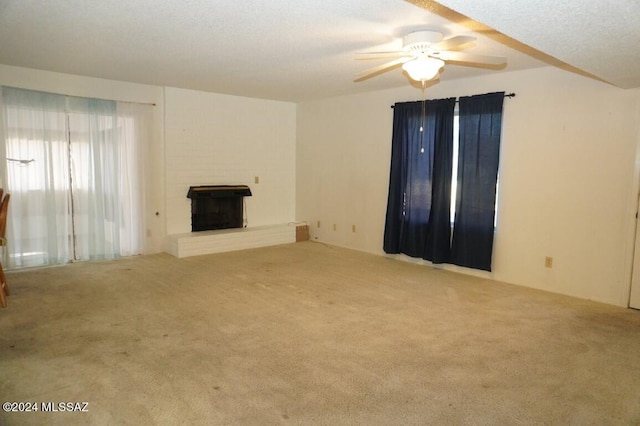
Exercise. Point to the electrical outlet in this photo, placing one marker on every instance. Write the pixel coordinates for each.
(548, 262)
(256, 179)
(318, 225)
(353, 228)
(335, 227)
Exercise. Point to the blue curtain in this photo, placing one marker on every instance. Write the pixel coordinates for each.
(480, 121)
(418, 208)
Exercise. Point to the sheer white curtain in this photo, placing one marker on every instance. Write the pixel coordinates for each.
(37, 177)
(134, 130)
(82, 195)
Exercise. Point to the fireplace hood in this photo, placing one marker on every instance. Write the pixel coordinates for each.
(219, 191)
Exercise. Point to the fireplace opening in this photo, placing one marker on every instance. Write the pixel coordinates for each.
(217, 206)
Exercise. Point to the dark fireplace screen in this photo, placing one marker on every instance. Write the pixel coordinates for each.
(217, 206)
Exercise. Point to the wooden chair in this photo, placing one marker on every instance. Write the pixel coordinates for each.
(4, 208)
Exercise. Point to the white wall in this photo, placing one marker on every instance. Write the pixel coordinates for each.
(343, 153)
(74, 85)
(566, 177)
(214, 139)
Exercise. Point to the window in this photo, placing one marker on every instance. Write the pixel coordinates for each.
(75, 173)
(442, 200)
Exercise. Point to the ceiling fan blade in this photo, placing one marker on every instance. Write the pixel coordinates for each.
(471, 58)
(453, 42)
(378, 55)
(380, 68)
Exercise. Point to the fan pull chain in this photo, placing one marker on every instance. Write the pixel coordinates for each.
(422, 116)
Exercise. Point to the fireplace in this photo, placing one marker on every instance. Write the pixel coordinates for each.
(217, 206)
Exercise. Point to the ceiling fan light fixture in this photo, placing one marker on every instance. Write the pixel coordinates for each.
(423, 68)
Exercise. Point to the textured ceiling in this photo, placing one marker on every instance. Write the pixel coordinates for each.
(601, 38)
(290, 50)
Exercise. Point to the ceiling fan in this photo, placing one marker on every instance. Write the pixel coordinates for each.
(424, 53)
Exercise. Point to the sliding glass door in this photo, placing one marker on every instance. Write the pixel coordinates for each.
(75, 174)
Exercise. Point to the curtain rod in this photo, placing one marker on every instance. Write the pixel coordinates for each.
(82, 97)
(112, 100)
(506, 95)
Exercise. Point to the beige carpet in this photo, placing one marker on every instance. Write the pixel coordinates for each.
(307, 334)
